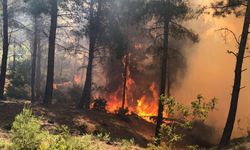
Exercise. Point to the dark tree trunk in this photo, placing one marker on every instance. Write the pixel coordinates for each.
(5, 48)
(163, 80)
(93, 27)
(51, 54)
(124, 81)
(38, 67)
(237, 82)
(34, 59)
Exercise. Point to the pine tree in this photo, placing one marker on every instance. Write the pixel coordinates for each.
(51, 53)
(5, 48)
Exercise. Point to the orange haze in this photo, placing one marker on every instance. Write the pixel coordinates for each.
(211, 69)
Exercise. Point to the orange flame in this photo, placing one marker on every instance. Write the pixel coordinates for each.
(146, 106)
(77, 79)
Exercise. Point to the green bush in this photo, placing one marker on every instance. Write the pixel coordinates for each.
(20, 80)
(18, 92)
(81, 143)
(26, 134)
(4, 144)
(127, 144)
(182, 118)
(26, 131)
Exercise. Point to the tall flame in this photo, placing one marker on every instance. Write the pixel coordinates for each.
(145, 106)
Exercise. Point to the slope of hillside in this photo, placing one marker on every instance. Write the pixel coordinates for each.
(81, 122)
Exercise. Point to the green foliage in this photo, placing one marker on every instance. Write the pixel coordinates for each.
(181, 117)
(37, 7)
(104, 137)
(127, 144)
(19, 81)
(4, 144)
(100, 104)
(153, 147)
(175, 12)
(26, 134)
(170, 136)
(26, 131)
(18, 92)
(201, 109)
(223, 8)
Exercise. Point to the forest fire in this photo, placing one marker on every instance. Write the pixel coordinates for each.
(77, 81)
(145, 106)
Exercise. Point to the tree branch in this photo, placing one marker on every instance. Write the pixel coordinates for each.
(230, 31)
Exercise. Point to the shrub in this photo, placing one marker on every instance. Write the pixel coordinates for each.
(153, 147)
(19, 86)
(81, 143)
(127, 144)
(27, 135)
(104, 137)
(100, 104)
(4, 144)
(17, 92)
(25, 131)
(52, 142)
(182, 118)
(75, 93)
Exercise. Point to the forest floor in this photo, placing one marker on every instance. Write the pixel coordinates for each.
(80, 122)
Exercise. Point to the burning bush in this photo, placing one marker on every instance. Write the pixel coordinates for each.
(100, 104)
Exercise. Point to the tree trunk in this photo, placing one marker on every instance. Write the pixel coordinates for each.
(34, 59)
(124, 81)
(163, 80)
(237, 82)
(5, 48)
(51, 53)
(93, 27)
(38, 67)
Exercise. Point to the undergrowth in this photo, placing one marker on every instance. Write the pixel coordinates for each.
(27, 134)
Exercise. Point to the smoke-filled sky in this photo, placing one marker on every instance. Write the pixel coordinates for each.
(211, 69)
